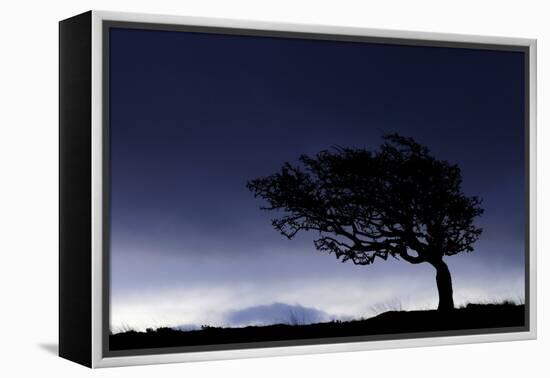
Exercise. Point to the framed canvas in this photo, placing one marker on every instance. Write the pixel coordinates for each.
(237, 189)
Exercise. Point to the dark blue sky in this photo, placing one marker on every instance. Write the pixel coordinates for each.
(195, 116)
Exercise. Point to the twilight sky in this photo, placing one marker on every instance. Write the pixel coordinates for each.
(195, 116)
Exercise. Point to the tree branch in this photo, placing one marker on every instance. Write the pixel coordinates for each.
(412, 259)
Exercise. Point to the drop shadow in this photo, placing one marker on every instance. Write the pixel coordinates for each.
(51, 348)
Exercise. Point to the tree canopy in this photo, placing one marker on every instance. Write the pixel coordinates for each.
(397, 201)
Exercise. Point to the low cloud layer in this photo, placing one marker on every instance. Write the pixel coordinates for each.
(305, 299)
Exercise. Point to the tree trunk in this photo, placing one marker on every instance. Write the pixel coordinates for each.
(444, 286)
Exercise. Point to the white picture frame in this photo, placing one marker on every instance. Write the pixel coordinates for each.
(93, 348)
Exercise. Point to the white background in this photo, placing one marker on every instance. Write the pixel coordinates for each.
(29, 174)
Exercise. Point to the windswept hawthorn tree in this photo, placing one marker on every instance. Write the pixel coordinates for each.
(364, 205)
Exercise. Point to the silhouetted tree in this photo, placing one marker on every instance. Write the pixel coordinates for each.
(398, 201)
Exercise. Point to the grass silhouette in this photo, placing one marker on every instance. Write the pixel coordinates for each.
(469, 317)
